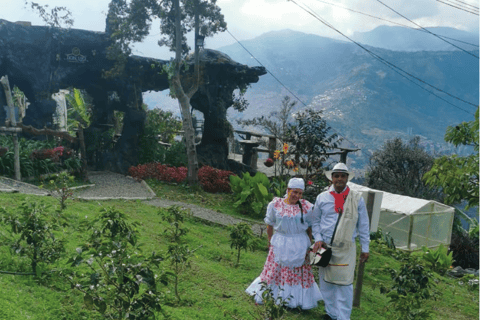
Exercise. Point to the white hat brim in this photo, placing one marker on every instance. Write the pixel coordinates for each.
(328, 174)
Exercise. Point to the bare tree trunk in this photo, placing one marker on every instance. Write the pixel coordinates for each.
(184, 102)
(189, 134)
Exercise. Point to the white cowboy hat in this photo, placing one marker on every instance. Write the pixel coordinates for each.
(339, 167)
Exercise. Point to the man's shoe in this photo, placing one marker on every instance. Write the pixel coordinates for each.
(327, 317)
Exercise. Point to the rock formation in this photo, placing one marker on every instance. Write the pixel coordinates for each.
(42, 60)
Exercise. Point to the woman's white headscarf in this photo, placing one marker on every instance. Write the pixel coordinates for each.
(296, 183)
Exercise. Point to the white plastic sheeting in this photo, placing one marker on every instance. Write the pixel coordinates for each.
(413, 222)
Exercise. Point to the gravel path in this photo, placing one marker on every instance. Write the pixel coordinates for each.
(108, 186)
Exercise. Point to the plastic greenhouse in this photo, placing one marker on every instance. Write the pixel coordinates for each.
(413, 222)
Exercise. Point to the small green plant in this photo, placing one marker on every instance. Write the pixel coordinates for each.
(251, 193)
(383, 238)
(121, 282)
(439, 260)
(273, 308)
(36, 238)
(178, 252)
(242, 237)
(411, 287)
(59, 185)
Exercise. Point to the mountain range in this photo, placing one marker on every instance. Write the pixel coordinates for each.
(369, 94)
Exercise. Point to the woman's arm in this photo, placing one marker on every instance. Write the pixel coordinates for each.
(309, 233)
(269, 233)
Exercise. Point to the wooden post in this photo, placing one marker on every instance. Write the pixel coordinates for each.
(83, 151)
(361, 265)
(272, 145)
(13, 122)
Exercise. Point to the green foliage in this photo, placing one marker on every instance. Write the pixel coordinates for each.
(242, 237)
(178, 252)
(120, 282)
(311, 138)
(29, 166)
(439, 260)
(79, 112)
(161, 126)
(383, 238)
(458, 176)
(59, 184)
(273, 308)
(399, 167)
(411, 287)
(276, 123)
(36, 238)
(251, 193)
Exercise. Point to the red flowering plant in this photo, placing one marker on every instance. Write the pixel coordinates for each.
(211, 179)
(214, 180)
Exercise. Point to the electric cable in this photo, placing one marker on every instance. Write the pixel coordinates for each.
(280, 82)
(433, 34)
(460, 8)
(389, 64)
(397, 23)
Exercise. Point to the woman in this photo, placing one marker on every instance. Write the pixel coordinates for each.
(285, 272)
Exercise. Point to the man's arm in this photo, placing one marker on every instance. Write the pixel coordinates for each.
(317, 217)
(363, 227)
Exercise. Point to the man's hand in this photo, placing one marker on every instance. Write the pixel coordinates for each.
(364, 256)
(318, 245)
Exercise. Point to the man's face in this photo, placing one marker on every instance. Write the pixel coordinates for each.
(339, 181)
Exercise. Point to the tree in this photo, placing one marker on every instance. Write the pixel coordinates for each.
(276, 123)
(130, 22)
(310, 138)
(458, 176)
(399, 167)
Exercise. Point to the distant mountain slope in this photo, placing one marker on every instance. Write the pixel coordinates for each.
(364, 100)
(405, 39)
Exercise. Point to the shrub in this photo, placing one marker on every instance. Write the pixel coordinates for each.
(214, 180)
(120, 281)
(251, 193)
(242, 237)
(439, 260)
(211, 179)
(36, 239)
(159, 172)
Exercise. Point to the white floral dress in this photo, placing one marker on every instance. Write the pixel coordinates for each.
(285, 271)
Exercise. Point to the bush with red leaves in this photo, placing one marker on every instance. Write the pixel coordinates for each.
(214, 180)
(211, 179)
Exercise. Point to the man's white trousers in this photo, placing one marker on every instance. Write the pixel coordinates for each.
(338, 299)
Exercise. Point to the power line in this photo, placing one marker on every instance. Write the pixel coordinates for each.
(397, 23)
(466, 4)
(460, 8)
(433, 34)
(251, 54)
(389, 64)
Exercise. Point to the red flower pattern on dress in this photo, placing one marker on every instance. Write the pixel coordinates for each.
(288, 210)
(273, 273)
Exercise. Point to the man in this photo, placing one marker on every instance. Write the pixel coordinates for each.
(342, 212)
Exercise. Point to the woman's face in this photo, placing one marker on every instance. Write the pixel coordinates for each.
(294, 195)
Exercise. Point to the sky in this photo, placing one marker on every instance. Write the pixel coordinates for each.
(247, 19)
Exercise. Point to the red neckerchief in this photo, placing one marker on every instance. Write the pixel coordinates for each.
(340, 199)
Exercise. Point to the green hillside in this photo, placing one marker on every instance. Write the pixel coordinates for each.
(213, 288)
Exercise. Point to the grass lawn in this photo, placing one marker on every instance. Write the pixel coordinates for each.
(213, 288)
